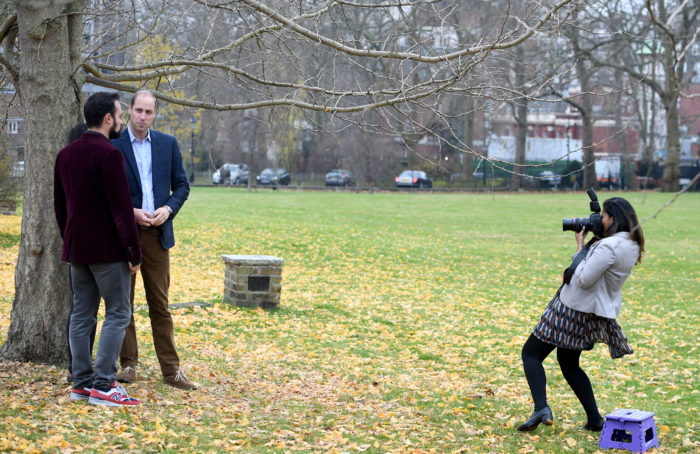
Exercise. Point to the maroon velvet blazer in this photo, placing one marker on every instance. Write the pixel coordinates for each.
(93, 204)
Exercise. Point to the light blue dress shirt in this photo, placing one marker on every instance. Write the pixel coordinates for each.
(144, 161)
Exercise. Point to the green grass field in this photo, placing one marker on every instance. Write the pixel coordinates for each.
(400, 329)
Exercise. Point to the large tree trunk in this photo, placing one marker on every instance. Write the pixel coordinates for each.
(672, 165)
(50, 41)
(589, 176)
(520, 119)
(520, 143)
(468, 158)
(672, 171)
(627, 180)
(586, 109)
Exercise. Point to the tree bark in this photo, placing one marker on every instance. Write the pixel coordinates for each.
(520, 143)
(589, 176)
(672, 170)
(468, 158)
(48, 39)
(520, 119)
(627, 180)
(586, 110)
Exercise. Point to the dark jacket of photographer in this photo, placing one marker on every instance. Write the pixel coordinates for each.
(597, 282)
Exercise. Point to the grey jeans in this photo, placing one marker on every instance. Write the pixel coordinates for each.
(112, 282)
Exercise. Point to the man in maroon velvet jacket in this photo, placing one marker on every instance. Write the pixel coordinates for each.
(101, 243)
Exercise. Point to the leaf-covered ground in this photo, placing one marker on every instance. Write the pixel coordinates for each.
(400, 330)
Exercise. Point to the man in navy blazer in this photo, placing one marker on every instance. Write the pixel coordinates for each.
(159, 188)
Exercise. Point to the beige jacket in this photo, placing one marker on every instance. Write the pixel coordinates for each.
(596, 285)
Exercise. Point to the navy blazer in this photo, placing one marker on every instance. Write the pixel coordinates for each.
(92, 205)
(170, 186)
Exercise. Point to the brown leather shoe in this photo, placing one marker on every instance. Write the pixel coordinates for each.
(179, 380)
(127, 375)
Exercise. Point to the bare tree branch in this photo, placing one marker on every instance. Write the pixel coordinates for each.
(316, 37)
(402, 98)
(7, 24)
(386, 4)
(673, 199)
(5, 28)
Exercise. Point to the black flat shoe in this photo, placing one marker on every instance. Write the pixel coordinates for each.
(595, 426)
(543, 416)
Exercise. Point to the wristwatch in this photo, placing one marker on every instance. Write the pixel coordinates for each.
(170, 210)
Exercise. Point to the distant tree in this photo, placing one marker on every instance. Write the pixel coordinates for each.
(583, 102)
(10, 187)
(649, 34)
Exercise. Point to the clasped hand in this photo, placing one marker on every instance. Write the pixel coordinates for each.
(146, 219)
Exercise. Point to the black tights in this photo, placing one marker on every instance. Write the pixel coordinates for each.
(534, 352)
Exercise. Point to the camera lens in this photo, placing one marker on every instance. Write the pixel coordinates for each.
(575, 224)
(568, 224)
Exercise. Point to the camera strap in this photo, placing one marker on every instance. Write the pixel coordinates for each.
(569, 272)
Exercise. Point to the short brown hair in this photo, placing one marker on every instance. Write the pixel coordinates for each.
(144, 91)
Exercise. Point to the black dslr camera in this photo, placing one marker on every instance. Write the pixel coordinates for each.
(592, 223)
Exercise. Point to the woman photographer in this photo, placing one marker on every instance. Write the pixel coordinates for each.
(583, 312)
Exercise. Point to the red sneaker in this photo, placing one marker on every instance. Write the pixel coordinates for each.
(80, 393)
(115, 397)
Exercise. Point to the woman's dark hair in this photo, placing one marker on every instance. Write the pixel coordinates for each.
(77, 131)
(97, 106)
(624, 219)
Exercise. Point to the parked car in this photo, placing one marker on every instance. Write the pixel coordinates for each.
(414, 179)
(239, 174)
(216, 177)
(273, 177)
(231, 174)
(339, 177)
(549, 179)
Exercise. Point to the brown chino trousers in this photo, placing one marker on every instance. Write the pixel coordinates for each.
(155, 272)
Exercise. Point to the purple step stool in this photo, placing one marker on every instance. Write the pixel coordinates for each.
(633, 430)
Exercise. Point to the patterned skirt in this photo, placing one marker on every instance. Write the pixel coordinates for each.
(568, 328)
